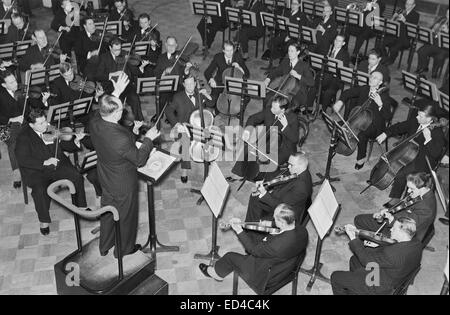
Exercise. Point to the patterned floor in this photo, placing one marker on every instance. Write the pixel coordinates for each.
(27, 258)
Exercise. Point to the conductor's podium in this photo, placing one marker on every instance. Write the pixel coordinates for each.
(85, 271)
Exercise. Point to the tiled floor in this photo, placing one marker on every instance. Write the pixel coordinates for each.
(27, 258)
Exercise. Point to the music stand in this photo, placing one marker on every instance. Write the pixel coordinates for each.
(206, 9)
(312, 8)
(21, 47)
(244, 88)
(420, 87)
(323, 213)
(42, 76)
(277, 3)
(349, 76)
(4, 25)
(215, 191)
(113, 27)
(443, 101)
(140, 48)
(240, 17)
(275, 22)
(347, 17)
(307, 34)
(443, 42)
(337, 134)
(385, 27)
(154, 86)
(89, 162)
(417, 33)
(69, 111)
(437, 184)
(165, 161)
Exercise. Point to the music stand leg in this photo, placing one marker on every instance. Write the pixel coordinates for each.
(315, 271)
(198, 192)
(331, 154)
(205, 33)
(213, 255)
(152, 237)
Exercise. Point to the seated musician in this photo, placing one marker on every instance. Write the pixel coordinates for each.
(295, 192)
(226, 59)
(41, 165)
(379, 108)
(397, 44)
(431, 143)
(373, 64)
(427, 51)
(112, 64)
(298, 69)
(70, 33)
(326, 31)
(180, 109)
(420, 186)
(280, 42)
(120, 9)
(18, 30)
(117, 163)
(6, 8)
(146, 34)
(286, 123)
(36, 55)
(128, 28)
(214, 24)
(146, 31)
(251, 32)
(277, 252)
(393, 263)
(366, 32)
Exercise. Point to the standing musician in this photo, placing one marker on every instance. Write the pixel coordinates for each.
(111, 65)
(59, 24)
(295, 192)
(270, 260)
(18, 30)
(36, 55)
(120, 9)
(396, 44)
(326, 30)
(420, 186)
(180, 109)
(214, 24)
(298, 69)
(118, 160)
(395, 262)
(427, 51)
(226, 59)
(379, 108)
(373, 64)
(431, 144)
(42, 163)
(277, 117)
(251, 32)
(282, 40)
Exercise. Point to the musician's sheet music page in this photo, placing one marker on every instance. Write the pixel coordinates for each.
(323, 209)
(215, 189)
(157, 164)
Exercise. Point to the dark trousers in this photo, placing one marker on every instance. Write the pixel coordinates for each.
(211, 31)
(350, 282)
(426, 52)
(231, 262)
(39, 189)
(92, 177)
(365, 33)
(11, 143)
(68, 40)
(249, 33)
(367, 222)
(128, 208)
(395, 45)
(257, 211)
(330, 87)
(364, 136)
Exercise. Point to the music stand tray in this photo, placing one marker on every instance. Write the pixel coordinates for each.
(426, 88)
(212, 8)
(241, 16)
(443, 101)
(382, 25)
(443, 41)
(354, 17)
(308, 34)
(4, 25)
(69, 110)
(140, 48)
(332, 65)
(312, 8)
(38, 77)
(89, 162)
(113, 27)
(346, 75)
(152, 84)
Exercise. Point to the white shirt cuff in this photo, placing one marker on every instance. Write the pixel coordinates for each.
(262, 195)
(426, 141)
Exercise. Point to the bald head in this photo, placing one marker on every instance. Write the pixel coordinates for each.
(110, 105)
(298, 163)
(376, 79)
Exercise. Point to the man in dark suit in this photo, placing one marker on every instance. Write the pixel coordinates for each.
(373, 64)
(118, 160)
(18, 30)
(326, 31)
(273, 118)
(251, 32)
(420, 186)
(270, 260)
(392, 263)
(297, 68)
(87, 49)
(110, 66)
(379, 109)
(37, 55)
(119, 10)
(228, 58)
(146, 31)
(70, 33)
(214, 24)
(180, 109)
(6, 9)
(431, 142)
(296, 193)
(397, 44)
(40, 165)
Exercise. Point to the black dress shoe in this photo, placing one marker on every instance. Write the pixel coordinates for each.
(184, 179)
(204, 269)
(154, 118)
(136, 248)
(443, 221)
(45, 231)
(359, 166)
(17, 184)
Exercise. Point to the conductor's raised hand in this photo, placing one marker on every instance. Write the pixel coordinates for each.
(153, 133)
(121, 84)
(337, 106)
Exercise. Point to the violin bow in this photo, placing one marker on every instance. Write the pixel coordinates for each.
(275, 91)
(147, 33)
(346, 125)
(129, 53)
(161, 114)
(57, 138)
(122, 14)
(10, 8)
(103, 34)
(25, 31)
(259, 151)
(181, 53)
(26, 96)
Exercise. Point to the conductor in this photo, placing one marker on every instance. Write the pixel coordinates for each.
(118, 160)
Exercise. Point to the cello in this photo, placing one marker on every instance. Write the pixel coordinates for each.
(391, 162)
(359, 120)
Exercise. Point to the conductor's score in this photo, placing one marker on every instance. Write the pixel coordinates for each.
(247, 305)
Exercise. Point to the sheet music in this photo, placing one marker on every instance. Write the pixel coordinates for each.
(215, 189)
(323, 209)
(157, 164)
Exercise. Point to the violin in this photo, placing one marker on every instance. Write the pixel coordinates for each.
(64, 134)
(252, 226)
(34, 92)
(402, 205)
(82, 85)
(276, 181)
(370, 236)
